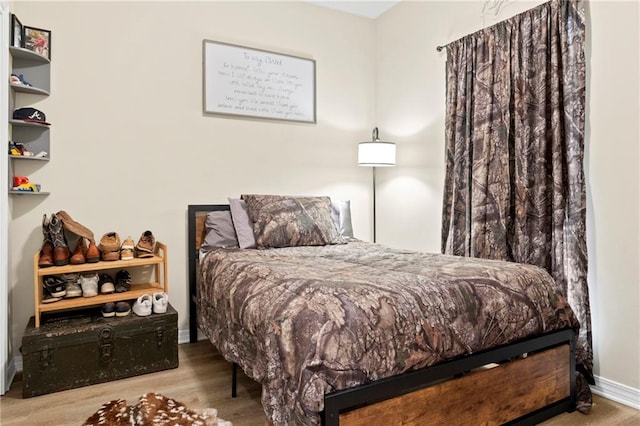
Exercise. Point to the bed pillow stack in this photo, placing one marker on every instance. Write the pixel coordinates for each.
(283, 221)
(293, 223)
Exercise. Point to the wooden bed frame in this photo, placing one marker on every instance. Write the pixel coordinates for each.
(525, 382)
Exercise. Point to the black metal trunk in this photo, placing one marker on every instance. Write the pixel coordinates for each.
(83, 348)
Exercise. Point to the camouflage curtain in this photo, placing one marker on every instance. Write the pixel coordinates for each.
(514, 184)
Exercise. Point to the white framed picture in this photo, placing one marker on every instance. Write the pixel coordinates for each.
(246, 82)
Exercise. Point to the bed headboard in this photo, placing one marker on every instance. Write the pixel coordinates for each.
(196, 216)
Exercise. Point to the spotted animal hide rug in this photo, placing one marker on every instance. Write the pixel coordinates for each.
(153, 409)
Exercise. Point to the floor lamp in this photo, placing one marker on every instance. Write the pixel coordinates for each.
(376, 154)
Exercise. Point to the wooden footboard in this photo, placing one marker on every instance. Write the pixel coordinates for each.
(521, 391)
(493, 396)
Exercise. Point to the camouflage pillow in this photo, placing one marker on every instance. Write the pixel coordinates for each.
(280, 221)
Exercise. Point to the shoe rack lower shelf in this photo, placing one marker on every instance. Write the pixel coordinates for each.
(158, 261)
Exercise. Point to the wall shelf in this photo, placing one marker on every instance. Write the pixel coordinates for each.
(27, 55)
(25, 157)
(29, 89)
(21, 123)
(13, 192)
(34, 69)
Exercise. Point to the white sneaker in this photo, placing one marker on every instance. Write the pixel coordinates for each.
(142, 306)
(73, 289)
(73, 285)
(89, 283)
(160, 302)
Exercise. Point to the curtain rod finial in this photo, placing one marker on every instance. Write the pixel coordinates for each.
(439, 48)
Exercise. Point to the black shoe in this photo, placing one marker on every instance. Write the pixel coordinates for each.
(123, 281)
(109, 310)
(123, 309)
(105, 284)
(55, 286)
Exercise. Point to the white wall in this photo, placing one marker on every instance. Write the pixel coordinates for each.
(131, 147)
(410, 100)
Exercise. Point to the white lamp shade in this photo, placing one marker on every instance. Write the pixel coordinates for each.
(377, 154)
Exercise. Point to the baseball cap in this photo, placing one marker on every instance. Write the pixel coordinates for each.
(30, 114)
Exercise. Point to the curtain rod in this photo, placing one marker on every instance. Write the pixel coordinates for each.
(540, 6)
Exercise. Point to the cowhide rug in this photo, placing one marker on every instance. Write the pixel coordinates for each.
(153, 409)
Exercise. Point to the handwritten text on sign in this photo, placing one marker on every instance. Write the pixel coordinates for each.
(256, 83)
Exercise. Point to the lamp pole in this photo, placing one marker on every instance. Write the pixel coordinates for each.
(376, 154)
(374, 204)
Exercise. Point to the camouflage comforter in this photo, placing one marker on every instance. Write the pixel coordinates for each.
(305, 321)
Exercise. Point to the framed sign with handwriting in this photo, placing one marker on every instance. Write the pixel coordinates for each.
(246, 82)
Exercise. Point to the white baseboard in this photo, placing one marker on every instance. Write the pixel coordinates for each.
(183, 336)
(623, 394)
(12, 369)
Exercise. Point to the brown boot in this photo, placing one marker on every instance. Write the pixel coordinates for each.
(60, 246)
(78, 256)
(74, 227)
(46, 252)
(93, 254)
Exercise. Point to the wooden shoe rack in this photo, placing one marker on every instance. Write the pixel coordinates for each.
(158, 283)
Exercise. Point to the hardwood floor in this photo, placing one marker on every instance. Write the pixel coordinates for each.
(203, 380)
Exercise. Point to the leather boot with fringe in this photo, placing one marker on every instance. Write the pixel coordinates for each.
(75, 227)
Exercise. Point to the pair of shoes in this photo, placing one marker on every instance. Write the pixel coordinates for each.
(83, 253)
(126, 250)
(19, 79)
(72, 282)
(110, 246)
(106, 284)
(145, 303)
(146, 245)
(89, 283)
(123, 281)
(120, 309)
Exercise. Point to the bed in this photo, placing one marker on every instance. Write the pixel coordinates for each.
(351, 334)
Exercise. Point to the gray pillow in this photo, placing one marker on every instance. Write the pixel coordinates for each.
(341, 213)
(280, 221)
(219, 231)
(242, 223)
